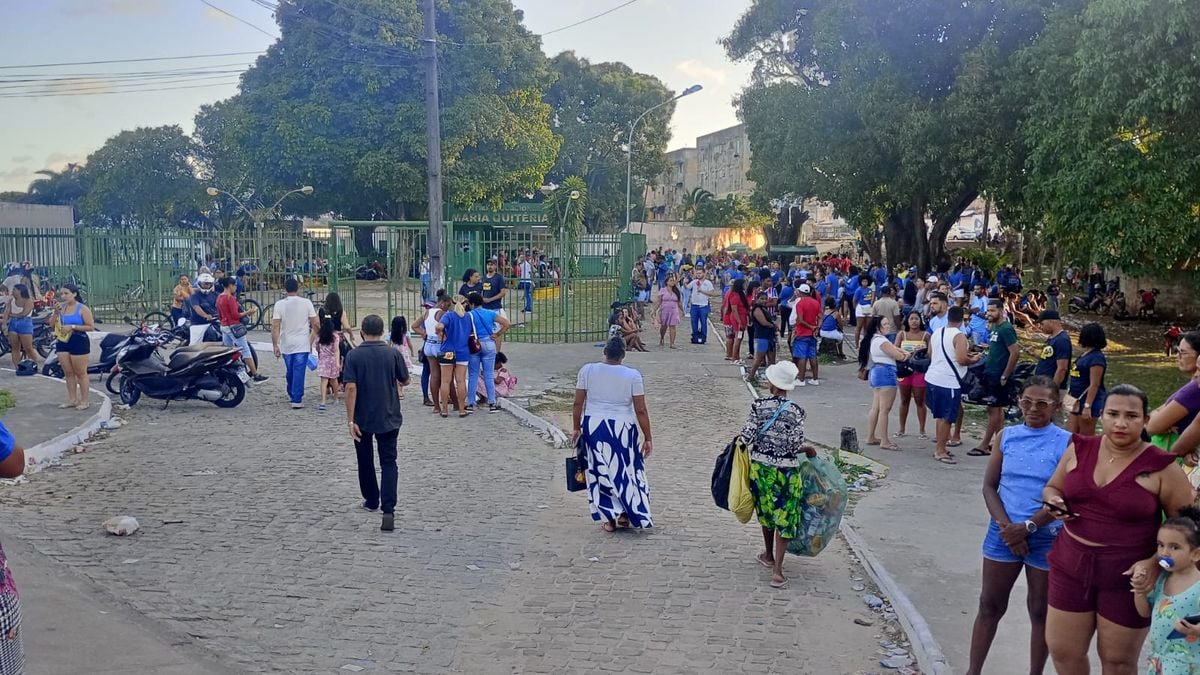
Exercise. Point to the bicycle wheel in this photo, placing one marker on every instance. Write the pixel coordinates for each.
(254, 314)
(159, 318)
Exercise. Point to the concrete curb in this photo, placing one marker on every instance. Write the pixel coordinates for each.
(39, 456)
(925, 647)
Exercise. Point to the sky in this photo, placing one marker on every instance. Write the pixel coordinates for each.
(675, 40)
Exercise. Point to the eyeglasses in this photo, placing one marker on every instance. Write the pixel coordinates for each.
(1034, 404)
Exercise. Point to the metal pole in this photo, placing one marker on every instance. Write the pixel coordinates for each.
(629, 174)
(433, 142)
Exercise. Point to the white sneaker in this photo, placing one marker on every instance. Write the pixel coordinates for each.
(815, 383)
(799, 383)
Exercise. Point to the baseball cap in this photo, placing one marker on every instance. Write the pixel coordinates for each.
(1049, 315)
(805, 288)
(932, 279)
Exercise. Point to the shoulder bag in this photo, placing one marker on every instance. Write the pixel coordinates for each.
(473, 344)
(577, 468)
(723, 468)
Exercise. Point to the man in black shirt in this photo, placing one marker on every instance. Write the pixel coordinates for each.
(1055, 359)
(372, 372)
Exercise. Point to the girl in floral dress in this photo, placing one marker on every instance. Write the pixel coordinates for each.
(1174, 642)
(12, 654)
(329, 360)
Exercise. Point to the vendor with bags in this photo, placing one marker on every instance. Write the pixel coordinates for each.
(775, 479)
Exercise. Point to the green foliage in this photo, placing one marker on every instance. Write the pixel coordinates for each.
(565, 209)
(593, 104)
(874, 106)
(987, 259)
(143, 178)
(7, 400)
(732, 211)
(1112, 134)
(66, 187)
(338, 103)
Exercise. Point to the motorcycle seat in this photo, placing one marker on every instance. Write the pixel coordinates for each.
(187, 355)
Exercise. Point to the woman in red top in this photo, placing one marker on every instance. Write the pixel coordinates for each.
(1111, 491)
(735, 315)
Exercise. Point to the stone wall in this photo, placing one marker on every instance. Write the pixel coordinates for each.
(1179, 293)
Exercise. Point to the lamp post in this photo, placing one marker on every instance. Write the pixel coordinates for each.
(258, 225)
(629, 147)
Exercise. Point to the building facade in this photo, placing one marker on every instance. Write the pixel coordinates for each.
(719, 164)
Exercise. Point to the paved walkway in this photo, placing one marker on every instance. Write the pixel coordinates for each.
(36, 417)
(252, 545)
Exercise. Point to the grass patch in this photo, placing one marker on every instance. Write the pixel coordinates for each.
(579, 317)
(7, 400)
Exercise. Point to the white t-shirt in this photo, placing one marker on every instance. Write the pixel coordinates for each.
(526, 271)
(700, 291)
(941, 371)
(878, 356)
(610, 390)
(293, 314)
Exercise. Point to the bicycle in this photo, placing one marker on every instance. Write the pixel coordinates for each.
(135, 295)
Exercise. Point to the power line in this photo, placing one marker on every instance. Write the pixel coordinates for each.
(240, 19)
(142, 60)
(90, 84)
(125, 91)
(34, 78)
(549, 32)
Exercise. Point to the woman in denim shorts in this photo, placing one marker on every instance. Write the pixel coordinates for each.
(1021, 533)
(879, 356)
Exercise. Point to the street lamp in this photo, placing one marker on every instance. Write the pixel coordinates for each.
(258, 226)
(629, 165)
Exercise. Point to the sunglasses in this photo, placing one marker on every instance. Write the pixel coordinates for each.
(1034, 404)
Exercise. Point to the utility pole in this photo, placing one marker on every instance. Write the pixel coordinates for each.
(433, 142)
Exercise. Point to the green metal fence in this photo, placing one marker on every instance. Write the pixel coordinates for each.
(376, 268)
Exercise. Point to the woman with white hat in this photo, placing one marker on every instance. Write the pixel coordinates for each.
(775, 433)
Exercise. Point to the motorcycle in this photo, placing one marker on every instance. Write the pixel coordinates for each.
(204, 372)
(975, 393)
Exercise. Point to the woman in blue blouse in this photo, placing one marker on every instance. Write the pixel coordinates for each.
(454, 329)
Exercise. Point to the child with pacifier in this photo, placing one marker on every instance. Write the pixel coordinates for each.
(1174, 604)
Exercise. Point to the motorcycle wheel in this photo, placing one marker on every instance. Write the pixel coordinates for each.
(232, 398)
(53, 370)
(5, 347)
(113, 383)
(129, 393)
(44, 344)
(253, 314)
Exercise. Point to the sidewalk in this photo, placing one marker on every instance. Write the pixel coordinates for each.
(925, 521)
(72, 627)
(36, 418)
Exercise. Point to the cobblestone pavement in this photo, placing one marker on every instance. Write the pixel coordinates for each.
(253, 545)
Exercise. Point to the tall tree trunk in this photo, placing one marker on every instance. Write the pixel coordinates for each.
(904, 232)
(943, 221)
(786, 229)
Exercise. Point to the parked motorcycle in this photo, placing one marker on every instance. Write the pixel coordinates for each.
(204, 372)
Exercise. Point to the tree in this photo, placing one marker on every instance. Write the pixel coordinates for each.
(732, 211)
(65, 188)
(693, 200)
(1112, 134)
(338, 103)
(565, 212)
(872, 106)
(593, 105)
(143, 178)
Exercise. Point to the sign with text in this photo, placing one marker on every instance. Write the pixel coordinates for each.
(509, 215)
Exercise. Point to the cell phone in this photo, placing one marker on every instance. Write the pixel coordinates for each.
(1058, 509)
(1193, 619)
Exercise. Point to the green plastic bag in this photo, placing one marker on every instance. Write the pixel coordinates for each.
(823, 506)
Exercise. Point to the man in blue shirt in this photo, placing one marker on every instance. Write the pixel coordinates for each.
(881, 278)
(1055, 359)
(978, 332)
(835, 286)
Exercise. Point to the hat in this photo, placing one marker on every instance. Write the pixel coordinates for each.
(805, 288)
(932, 279)
(782, 375)
(1049, 315)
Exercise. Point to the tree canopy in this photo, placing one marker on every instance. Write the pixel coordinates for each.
(593, 105)
(143, 178)
(873, 106)
(338, 102)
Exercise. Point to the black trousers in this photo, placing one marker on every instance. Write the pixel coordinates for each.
(374, 494)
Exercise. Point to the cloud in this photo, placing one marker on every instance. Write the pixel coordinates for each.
(56, 161)
(110, 7)
(16, 178)
(696, 69)
(21, 159)
(217, 17)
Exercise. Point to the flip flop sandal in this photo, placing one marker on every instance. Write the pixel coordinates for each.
(873, 442)
(608, 527)
(979, 452)
(953, 444)
(946, 460)
(623, 521)
(893, 447)
(923, 437)
(758, 559)
(780, 585)
(898, 434)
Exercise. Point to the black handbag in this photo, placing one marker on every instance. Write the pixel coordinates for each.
(917, 363)
(721, 475)
(238, 330)
(577, 468)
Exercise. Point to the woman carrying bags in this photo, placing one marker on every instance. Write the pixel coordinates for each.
(775, 432)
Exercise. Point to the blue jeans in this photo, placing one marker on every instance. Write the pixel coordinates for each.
(427, 366)
(700, 323)
(295, 364)
(486, 358)
(426, 295)
(528, 287)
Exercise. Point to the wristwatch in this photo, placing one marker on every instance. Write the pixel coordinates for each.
(1030, 526)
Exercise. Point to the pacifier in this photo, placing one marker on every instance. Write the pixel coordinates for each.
(1166, 562)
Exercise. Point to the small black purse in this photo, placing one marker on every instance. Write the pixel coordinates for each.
(577, 468)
